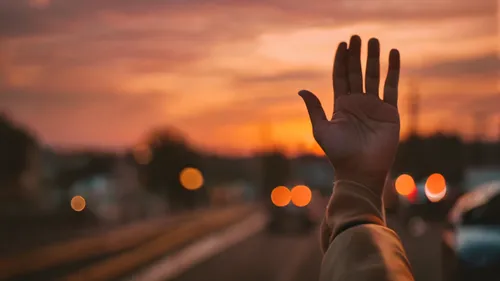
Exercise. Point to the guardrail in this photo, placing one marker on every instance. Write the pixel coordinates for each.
(124, 238)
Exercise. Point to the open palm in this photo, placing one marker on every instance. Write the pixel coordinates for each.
(362, 137)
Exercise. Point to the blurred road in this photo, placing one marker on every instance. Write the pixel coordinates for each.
(150, 254)
(296, 257)
(422, 242)
(110, 255)
(266, 257)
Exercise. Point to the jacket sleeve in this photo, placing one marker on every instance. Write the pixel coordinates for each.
(356, 242)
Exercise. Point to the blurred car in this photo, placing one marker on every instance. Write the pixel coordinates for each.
(471, 240)
(421, 203)
(414, 203)
(291, 218)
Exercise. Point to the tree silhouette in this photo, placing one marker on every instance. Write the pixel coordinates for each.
(439, 153)
(16, 143)
(170, 154)
(97, 163)
(276, 170)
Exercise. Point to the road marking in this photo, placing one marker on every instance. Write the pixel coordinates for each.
(84, 247)
(118, 265)
(174, 265)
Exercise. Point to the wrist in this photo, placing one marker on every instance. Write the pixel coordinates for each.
(374, 182)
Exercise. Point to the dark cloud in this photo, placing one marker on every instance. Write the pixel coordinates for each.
(120, 101)
(287, 76)
(18, 18)
(245, 111)
(76, 118)
(462, 105)
(450, 97)
(486, 104)
(70, 33)
(96, 48)
(487, 65)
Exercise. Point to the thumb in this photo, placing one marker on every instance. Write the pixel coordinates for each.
(314, 108)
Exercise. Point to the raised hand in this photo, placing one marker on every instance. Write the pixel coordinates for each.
(362, 137)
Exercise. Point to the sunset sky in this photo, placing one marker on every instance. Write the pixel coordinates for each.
(104, 72)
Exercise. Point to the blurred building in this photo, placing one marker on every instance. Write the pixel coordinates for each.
(114, 192)
(237, 192)
(475, 177)
(20, 169)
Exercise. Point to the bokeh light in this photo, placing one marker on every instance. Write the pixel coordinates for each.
(78, 203)
(191, 178)
(405, 185)
(435, 187)
(281, 196)
(435, 197)
(435, 184)
(301, 195)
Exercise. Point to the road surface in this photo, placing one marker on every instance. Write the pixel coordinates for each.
(266, 257)
(253, 254)
(296, 257)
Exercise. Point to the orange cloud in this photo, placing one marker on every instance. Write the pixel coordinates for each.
(104, 72)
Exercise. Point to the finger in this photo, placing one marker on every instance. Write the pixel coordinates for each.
(392, 81)
(354, 66)
(340, 82)
(372, 79)
(314, 108)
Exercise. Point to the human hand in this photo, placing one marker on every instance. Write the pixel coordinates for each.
(362, 137)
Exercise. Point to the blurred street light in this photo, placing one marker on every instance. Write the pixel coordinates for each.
(78, 203)
(191, 178)
(301, 195)
(281, 196)
(405, 185)
(435, 187)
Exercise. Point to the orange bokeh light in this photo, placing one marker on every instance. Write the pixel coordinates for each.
(281, 196)
(78, 203)
(301, 195)
(191, 178)
(405, 185)
(435, 184)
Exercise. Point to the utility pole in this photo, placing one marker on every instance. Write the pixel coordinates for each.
(498, 145)
(266, 135)
(414, 109)
(479, 121)
(478, 130)
(498, 132)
